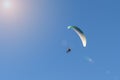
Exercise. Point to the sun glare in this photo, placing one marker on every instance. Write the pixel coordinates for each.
(7, 4)
(12, 10)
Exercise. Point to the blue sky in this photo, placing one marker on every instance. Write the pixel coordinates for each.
(34, 38)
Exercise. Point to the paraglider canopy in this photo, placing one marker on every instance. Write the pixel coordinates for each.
(80, 34)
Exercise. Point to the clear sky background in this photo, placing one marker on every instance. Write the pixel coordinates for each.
(34, 38)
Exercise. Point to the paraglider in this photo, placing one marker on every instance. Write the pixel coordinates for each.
(68, 50)
(80, 34)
